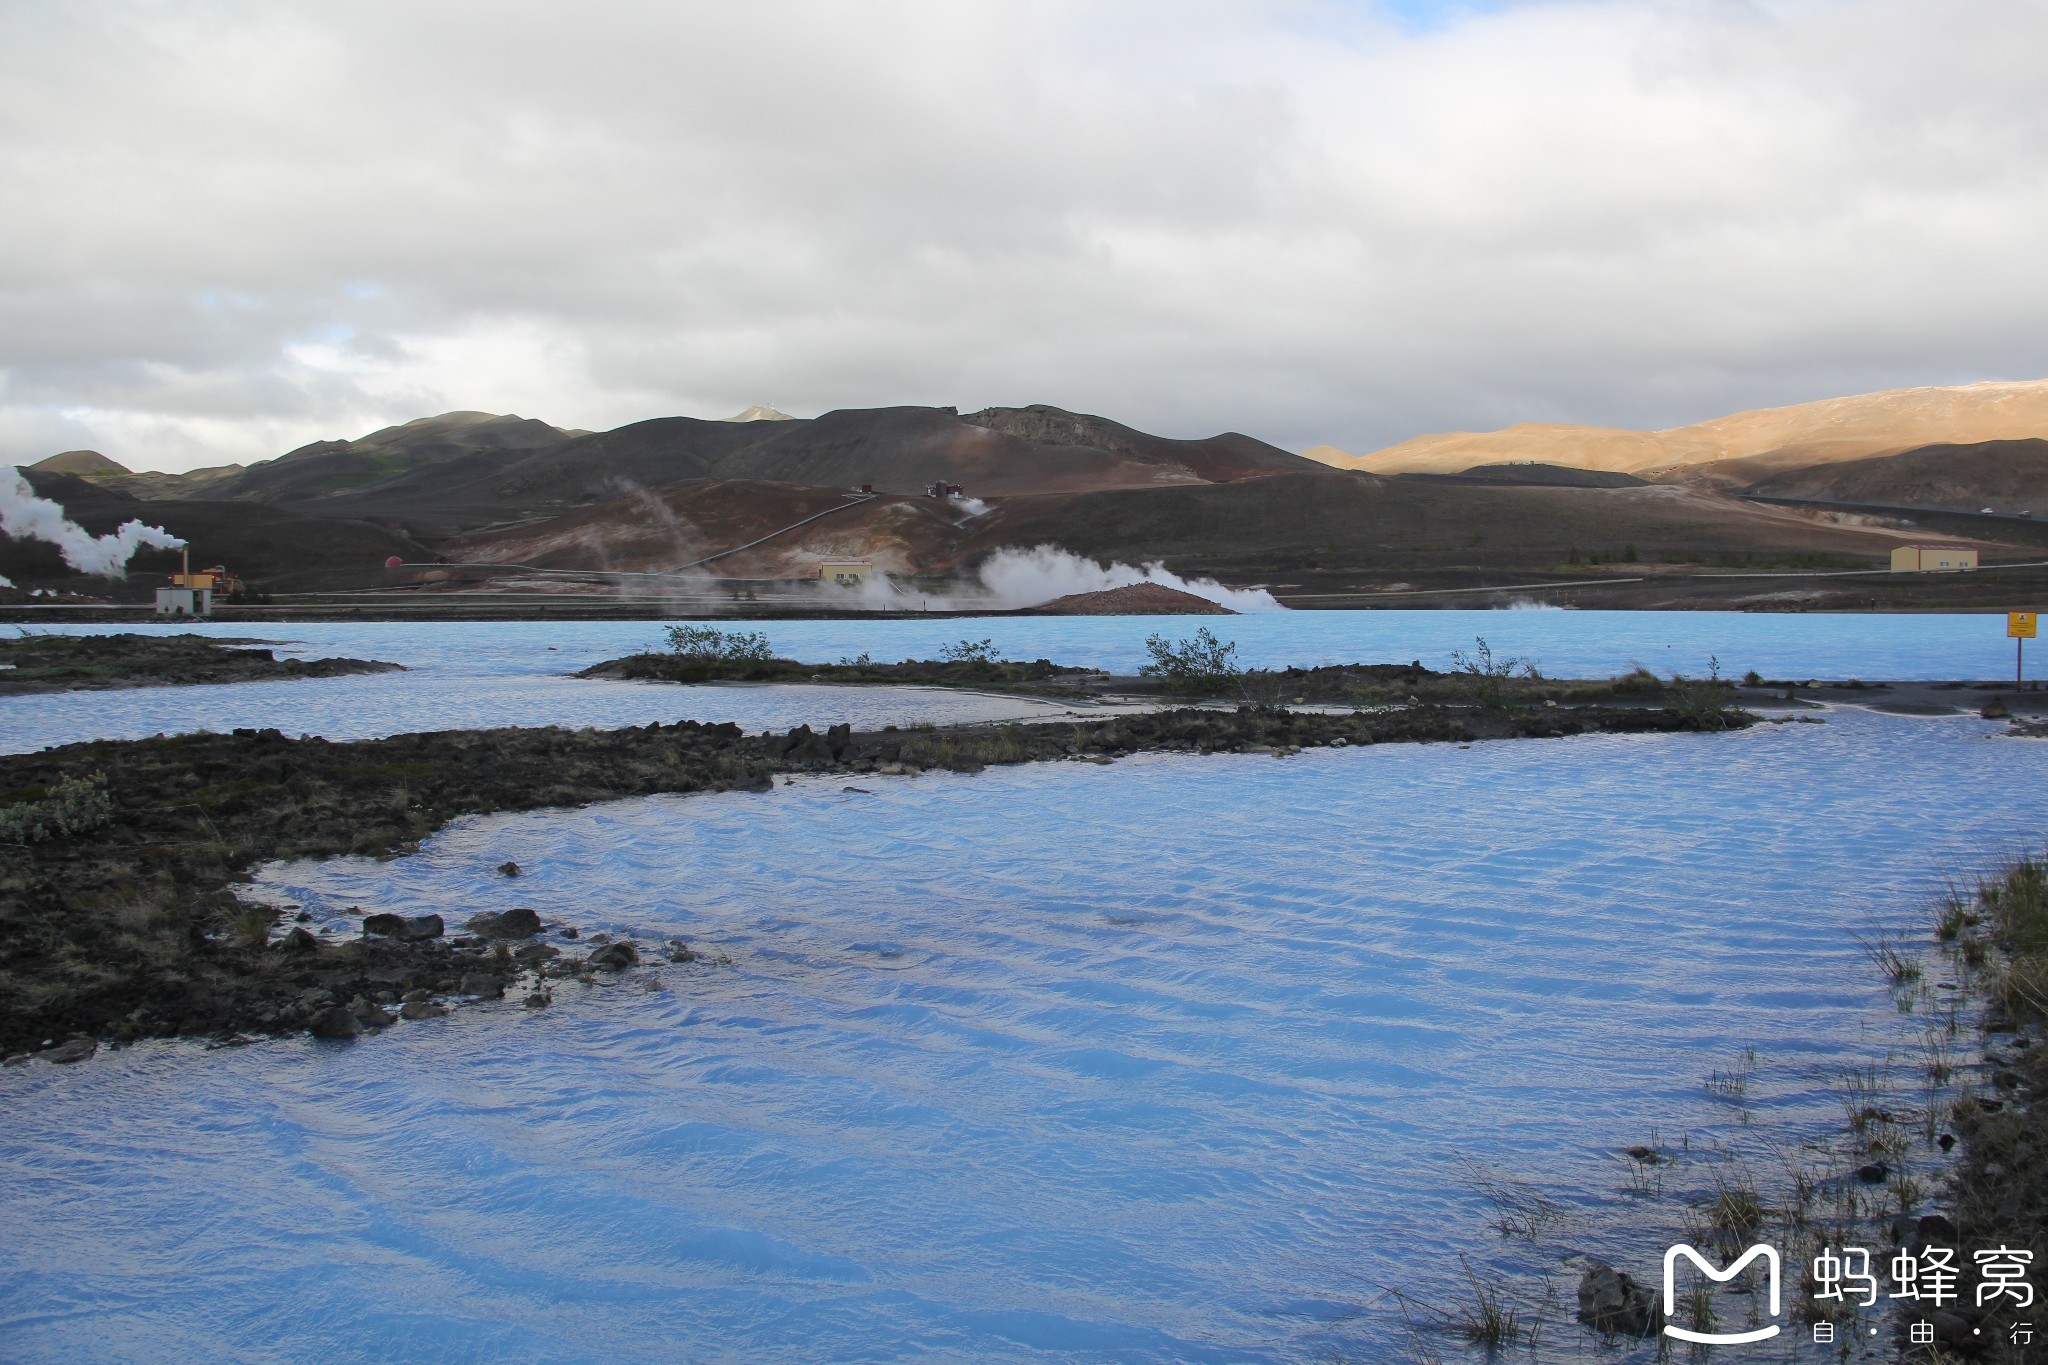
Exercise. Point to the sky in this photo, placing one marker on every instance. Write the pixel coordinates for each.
(231, 228)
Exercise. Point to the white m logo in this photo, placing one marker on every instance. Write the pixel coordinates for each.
(1770, 1255)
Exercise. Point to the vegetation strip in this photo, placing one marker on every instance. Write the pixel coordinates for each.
(1198, 666)
(118, 918)
(77, 663)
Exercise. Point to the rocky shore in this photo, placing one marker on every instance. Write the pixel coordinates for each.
(120, 860)
(1039, 676)
(77, 663)
(1324, 685)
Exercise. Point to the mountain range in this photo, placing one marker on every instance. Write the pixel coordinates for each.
(1810, 484)
(1874, 447)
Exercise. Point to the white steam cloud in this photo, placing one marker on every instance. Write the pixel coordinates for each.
(1029, 578)
(25, 516)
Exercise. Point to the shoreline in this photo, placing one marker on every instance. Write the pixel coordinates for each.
(126, 924)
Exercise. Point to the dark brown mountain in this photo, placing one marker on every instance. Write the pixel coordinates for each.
(898, 450)
(2001, 476)
(328, 468)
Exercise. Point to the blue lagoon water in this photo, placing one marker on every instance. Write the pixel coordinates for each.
(485, 674)
(1184, 1058)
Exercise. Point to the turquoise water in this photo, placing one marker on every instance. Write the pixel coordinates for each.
(488, 674)
(1177, 1059)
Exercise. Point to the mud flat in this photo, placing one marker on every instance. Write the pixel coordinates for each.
(81, 663)
(119, 860)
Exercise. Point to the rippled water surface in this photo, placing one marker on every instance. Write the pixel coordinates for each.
(512, 673)
(1176, 1059)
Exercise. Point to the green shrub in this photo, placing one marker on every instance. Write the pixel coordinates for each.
(1204, 664)
(1486, 675)
(708, 644)
(969, 652)
(1702, 703)
(74, 806)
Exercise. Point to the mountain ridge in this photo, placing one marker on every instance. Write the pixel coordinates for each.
(1739, 448)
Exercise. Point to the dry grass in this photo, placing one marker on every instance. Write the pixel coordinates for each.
(1520, 1209)
(1891, 957)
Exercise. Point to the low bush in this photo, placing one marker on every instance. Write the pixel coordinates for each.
(1486, 675)
(1202, 666)
(708, 644)
(73, 806)
(969, 652)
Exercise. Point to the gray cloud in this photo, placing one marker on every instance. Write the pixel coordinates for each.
(233, 227)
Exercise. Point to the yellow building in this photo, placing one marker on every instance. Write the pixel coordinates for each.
(847, 573)
(1933, 558)
(213, 580)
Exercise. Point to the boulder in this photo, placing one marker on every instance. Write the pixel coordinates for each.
(412, 929)
(482, 984)
(518, 922)
(71, 1050)
(298, 941)
(1613, 1304)
(614, 957)
(335, 1022)
(805, 745)
(416, 1010)
(509, 868)
(838, 739)
(530, 953)
(370, 1014)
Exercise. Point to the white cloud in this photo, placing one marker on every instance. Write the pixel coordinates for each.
(233, 227)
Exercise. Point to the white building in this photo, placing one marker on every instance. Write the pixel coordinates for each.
(184, 601)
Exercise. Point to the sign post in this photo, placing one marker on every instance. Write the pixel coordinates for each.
(2020, 626)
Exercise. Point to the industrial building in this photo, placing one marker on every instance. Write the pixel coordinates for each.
(1933, 558)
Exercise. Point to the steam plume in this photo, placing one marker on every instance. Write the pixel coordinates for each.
(25, 516)
(1027, 578)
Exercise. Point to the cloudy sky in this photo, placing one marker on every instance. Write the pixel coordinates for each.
(230, 228)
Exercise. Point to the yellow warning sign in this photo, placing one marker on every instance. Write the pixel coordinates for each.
(2019, 625)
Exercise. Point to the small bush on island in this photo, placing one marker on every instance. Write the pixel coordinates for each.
(1486, 675)
(1702, 702)
(708, 644)
(981, 651)
(1202, 666)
